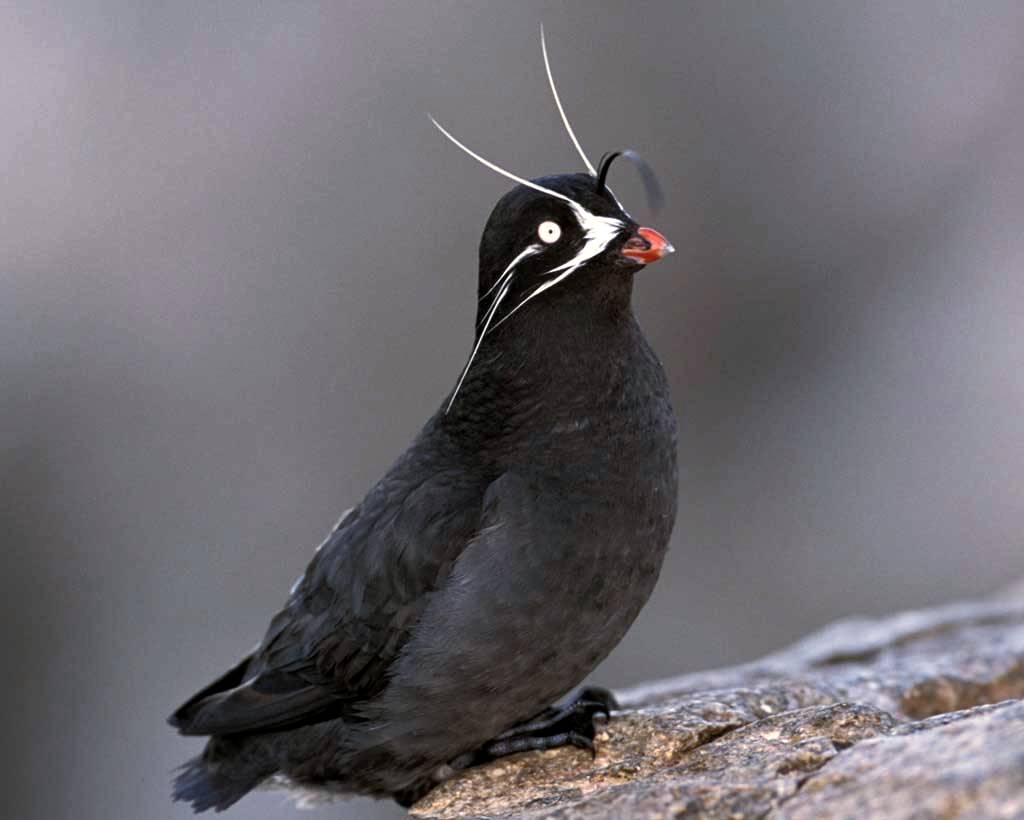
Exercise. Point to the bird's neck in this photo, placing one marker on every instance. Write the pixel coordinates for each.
(552, 362)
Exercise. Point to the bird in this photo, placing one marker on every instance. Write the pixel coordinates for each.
(500, 558)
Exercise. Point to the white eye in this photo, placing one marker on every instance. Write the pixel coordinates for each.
(549, 231)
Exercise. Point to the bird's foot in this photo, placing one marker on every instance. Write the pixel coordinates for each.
(571, 724)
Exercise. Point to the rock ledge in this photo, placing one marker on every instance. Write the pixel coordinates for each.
(916, 715)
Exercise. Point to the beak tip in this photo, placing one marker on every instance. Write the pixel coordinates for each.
(648, 245)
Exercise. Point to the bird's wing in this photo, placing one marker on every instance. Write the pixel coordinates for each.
(353, 610)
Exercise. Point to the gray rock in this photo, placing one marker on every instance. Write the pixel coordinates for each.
(919, 715)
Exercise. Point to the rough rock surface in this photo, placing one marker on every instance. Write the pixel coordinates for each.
(920, 715)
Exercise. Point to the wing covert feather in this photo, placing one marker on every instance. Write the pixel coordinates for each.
(349, 616)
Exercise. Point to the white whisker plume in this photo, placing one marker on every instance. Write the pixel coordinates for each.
(582, 214)
(558, 103)
(476, 347)
(507, 276)
(545, 286)
(499, 169)
(599, 231)
(507, 273)
(536, 292)
(565, 119)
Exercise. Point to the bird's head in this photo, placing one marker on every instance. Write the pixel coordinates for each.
(567, 232)
(536, 240)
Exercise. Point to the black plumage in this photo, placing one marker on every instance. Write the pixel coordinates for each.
(500, 558)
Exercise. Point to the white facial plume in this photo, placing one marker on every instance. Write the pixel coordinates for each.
(598, 231)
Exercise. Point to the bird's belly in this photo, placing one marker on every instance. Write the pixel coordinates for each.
(527, 618)
(587, 590)
(575, 572)
(570, 551)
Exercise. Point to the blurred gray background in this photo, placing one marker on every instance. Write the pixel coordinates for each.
(237, 271)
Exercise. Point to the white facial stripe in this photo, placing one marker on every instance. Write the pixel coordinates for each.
(536, 292)
(588, 221)
(507, 276)
(498, 169)
(479, 341)
(532, 249)
(598, 232)
(558, 102)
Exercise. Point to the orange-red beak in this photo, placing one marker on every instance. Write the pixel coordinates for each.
(646, 246)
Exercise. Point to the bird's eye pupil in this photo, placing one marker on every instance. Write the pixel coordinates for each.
(549, 231)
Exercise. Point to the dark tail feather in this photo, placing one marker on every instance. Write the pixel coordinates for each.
(202, 785)
(229, 680)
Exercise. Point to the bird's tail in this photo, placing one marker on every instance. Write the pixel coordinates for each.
(211, 782)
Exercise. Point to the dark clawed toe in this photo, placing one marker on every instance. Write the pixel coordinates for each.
(571, 724)
(581, 741)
